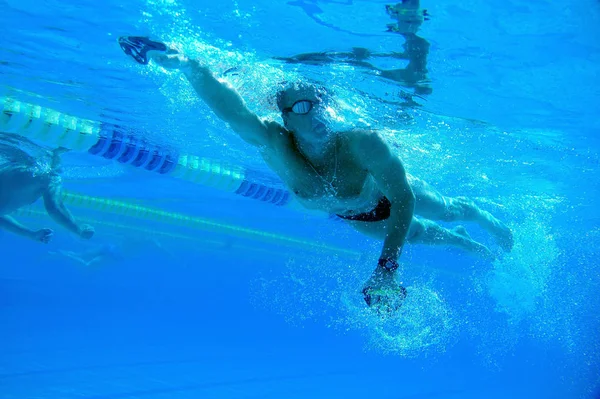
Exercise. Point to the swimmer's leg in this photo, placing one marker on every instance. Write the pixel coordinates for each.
(97, 259)
(76, 257)
(73, 256)
(9, 224)
(423, 231)
(430, 204)
(461, 208)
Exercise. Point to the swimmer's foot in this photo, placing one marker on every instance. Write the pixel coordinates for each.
(505, 238)
(502, 234)
(483, 251)
(469, 211)
(138, 47)
(471, 245)
(460, 230)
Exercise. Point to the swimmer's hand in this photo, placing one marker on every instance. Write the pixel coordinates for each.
(43, 235)
(86, 231)
(382, 293)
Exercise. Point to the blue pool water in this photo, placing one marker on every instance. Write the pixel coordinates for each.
(171, 311)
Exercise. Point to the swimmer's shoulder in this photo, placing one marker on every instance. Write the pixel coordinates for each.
(359, 138)
(274, 127)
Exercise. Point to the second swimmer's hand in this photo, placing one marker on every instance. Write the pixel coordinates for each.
(382, 293)
(43, 235)
(86, 231)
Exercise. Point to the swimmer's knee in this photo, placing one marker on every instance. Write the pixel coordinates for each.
(416, 230)
(460, 208)
(468, 208)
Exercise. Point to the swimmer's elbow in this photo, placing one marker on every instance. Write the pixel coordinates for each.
(405, 199)
(231, 108)
(52, 202)
(51, 208)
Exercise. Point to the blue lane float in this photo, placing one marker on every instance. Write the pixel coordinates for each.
(123, 145)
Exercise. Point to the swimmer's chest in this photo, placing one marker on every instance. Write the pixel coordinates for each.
(339, 188)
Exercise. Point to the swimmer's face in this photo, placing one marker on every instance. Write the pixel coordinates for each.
(302, 111)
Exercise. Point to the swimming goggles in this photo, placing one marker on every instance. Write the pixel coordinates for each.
(300, 107)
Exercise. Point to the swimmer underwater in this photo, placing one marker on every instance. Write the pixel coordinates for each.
(352, 174)
(23, 180)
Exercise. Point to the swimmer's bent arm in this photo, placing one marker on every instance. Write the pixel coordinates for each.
(222, 99)
(57, 210)
(9, 224)
(390, 176)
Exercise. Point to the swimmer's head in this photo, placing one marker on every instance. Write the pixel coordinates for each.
(304, 108)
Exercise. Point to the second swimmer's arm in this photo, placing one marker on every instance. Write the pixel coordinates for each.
(224, 101)
(9, 224)
(56, 208)
(390, 176)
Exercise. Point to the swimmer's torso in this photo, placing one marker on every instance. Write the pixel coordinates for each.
(352, 190)
(20, 186)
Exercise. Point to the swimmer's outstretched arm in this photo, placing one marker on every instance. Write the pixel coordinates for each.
(59, 212)
(390, 176)
(222, 99)
(9, 224)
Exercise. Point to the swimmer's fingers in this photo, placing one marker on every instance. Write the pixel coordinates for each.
(373, 296)
(44, 235)
(86, 231)
(369, 299)
(384, 301)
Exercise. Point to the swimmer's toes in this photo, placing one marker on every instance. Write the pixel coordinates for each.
(485, 253)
